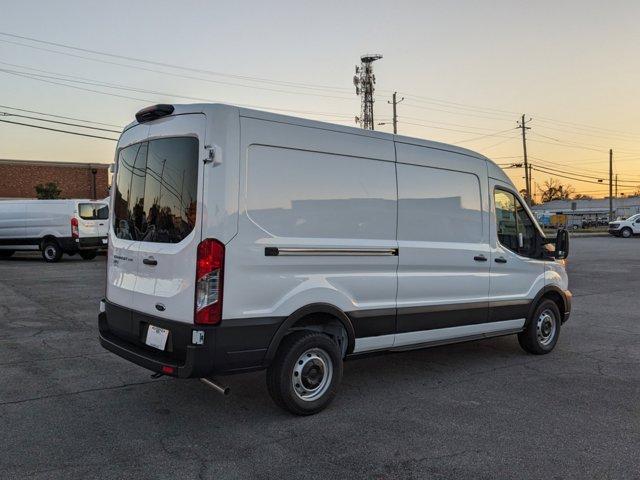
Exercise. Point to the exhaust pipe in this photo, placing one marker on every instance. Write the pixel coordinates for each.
(216, 386)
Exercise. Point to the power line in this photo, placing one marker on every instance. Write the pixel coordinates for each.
(47, 79)
(173, 66)
(60, 131)
(5, 114)
(59, 116)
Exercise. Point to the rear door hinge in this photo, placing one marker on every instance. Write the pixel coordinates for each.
(211, 156)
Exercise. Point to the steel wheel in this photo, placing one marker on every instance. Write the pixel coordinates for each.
(312, 374)
(546, 327)
(50, 252)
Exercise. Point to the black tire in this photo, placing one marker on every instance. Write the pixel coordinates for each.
(6, 253)
(51, 251)
(317, 349)
(626, 232)
(88, 254)
(543, 329)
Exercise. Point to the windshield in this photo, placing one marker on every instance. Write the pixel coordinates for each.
(93, 211)
(156, 190)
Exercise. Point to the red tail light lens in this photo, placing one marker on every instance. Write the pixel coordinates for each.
(209, 279)
(74, 227)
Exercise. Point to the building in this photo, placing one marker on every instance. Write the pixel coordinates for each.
(18, 178)
(577, 211)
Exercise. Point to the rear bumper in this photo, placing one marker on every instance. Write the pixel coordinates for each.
(90, 243)
(233, 346)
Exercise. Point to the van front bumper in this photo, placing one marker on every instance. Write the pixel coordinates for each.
(233, 346)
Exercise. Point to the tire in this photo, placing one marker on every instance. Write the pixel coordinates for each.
(88, 254)
(51, 251)
(626, 232)
(316, 360)
(543, 329)
(6, 253)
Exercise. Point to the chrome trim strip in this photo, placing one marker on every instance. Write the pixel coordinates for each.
(329, 251)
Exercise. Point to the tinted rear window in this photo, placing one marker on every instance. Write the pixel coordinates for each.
(93, 211)
(156, 190)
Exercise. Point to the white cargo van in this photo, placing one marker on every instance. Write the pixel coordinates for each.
(54, 227)
(243, 240)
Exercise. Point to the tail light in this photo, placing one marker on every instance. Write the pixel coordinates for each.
(209, 280)
(74, 227)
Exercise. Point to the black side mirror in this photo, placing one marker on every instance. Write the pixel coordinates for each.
(562, 244)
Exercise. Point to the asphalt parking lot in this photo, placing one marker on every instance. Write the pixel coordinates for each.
(69, 409)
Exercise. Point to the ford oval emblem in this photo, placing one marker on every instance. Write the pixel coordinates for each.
(160, 307)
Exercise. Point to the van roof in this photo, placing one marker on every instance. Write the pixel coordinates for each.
(182, 109)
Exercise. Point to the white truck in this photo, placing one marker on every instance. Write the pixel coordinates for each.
(243, 240)
(625, 228)
(54, 227)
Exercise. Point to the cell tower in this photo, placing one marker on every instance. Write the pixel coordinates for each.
(364, 81)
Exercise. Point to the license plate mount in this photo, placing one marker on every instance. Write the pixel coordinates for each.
(157, 337)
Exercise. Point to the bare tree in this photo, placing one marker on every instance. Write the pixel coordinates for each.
(582, 196)
(554, 190)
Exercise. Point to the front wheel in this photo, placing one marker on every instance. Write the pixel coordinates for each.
(306, 372)
(543, 329)
(626, 232)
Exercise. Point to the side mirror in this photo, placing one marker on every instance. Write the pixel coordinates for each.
(562, 244)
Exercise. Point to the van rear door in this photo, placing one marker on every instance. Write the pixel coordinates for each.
(128, 192)
(93, 218)
(169, 225)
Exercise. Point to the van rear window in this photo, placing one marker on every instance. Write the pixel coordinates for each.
(156, 190)
(93, 211)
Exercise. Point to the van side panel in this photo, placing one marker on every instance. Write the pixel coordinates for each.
(331, 194)
(49, 218)
(443, 274)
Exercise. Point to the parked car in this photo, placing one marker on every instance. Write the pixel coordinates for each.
(625, 228)
(243, 240)
(54, 227)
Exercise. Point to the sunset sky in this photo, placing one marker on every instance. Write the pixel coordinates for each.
(467, 70)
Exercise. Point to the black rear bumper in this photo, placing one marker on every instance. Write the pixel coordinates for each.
(233, 346)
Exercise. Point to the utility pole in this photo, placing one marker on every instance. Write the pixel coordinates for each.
(364, 81)
(522, 124)
(610, 185)
(395, 102)
(531, 191)
(616, 185)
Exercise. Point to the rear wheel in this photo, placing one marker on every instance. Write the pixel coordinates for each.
(542, 332)
(51, 251)
(626, 232)
(6, 253)
(88, 254)
(305, 375)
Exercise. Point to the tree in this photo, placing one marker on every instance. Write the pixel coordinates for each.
(554, 190)
(582, 196)
(48, 191)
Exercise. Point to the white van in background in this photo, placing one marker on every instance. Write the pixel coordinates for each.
(54, 227)
(242, 240)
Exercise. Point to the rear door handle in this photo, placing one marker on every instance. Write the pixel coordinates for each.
(149, 261)
(501, 260)
(480, 258)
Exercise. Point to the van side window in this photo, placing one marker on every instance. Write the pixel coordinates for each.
(438, 205)
(514, 224)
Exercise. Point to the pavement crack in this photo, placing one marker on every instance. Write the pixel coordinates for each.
(78, 392)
